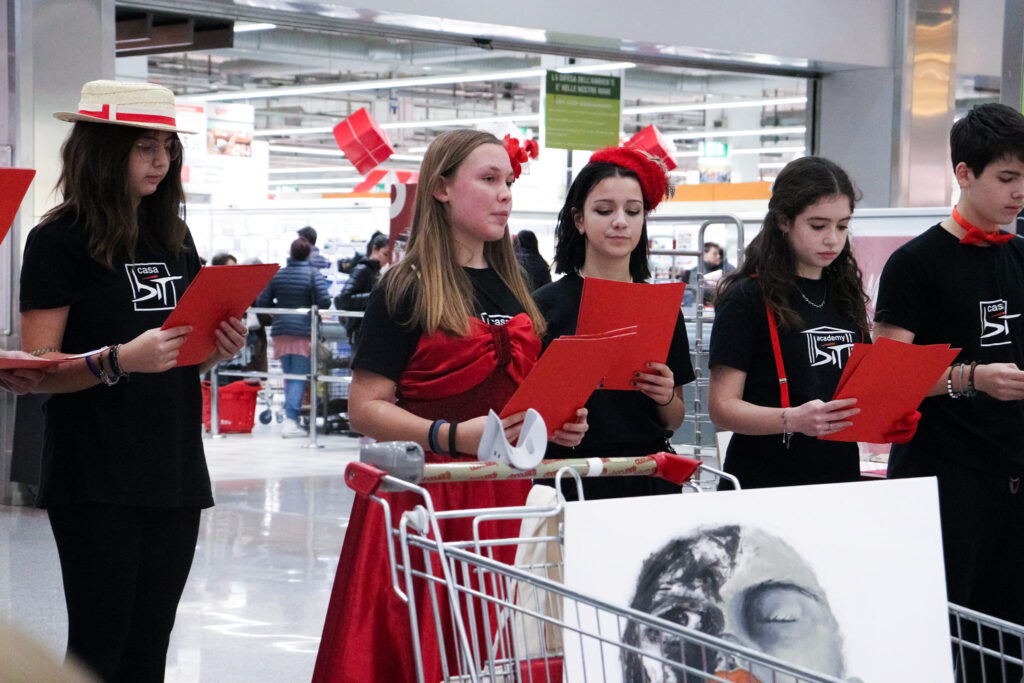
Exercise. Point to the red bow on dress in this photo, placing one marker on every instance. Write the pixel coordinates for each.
(975, 235)
(442, 366)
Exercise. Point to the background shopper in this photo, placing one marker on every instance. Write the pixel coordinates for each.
(538, 271)
(355, 294)
(602, 233)
(124, 476)
(449, 333)
(297, 285)
(801, 271)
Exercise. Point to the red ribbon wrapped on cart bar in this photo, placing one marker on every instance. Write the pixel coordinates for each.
(651, 140)
(362, 141)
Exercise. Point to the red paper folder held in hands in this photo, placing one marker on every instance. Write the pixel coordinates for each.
(653, 309)
(14, 184)
(217, 293)
(889, 379)
(565, 376)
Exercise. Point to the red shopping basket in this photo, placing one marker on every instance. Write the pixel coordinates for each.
(236, 406)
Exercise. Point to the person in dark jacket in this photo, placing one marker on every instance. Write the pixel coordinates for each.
(316, 259)
(356, 292)
(538, 272)
(297, 285)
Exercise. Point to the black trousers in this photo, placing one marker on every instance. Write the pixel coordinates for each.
(983, 546)
(124, 569)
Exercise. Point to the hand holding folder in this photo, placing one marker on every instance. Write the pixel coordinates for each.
(216, 294)
(565, 376)
(652, 309)
(889, 379)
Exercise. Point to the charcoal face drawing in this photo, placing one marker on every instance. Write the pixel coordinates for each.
(738, 583)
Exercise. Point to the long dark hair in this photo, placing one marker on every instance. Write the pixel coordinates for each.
(571, 246)
(770, 257)
(94, 186)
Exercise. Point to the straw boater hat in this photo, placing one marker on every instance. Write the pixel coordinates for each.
(140, 105)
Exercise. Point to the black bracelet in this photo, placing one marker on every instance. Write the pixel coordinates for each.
(114, 365)
(106, 377)
(432, 442)
(672, 398)
(971, 391)
(451, 437)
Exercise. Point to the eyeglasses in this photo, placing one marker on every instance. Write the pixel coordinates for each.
(148, 149)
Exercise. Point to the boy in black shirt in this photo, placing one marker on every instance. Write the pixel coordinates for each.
(962, 282)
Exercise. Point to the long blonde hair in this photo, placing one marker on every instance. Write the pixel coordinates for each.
(429, 277)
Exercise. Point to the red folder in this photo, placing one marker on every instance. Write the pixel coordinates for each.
(14, 184)
(889, 379)
(653, 309)
(565, 376)
(217, 293)
(38, 363)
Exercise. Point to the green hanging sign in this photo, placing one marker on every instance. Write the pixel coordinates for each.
(582, 111)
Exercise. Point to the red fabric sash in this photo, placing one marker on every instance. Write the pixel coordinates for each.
(442, 367)
(975, 235)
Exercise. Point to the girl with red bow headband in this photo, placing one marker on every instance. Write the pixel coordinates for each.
(602, 233)
(449, 332)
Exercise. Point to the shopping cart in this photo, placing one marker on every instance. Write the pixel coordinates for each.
(492, 622)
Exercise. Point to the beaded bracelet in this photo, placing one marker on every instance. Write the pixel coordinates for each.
(44, 351)
(949, 383)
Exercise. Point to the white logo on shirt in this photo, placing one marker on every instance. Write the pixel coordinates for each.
(495, 319)
(153, 286)
(828, 345)
(995, 328)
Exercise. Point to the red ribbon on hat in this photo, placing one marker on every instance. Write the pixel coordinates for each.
(131, 118)
(977, 236)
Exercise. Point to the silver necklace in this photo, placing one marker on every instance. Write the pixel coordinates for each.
(824, 298)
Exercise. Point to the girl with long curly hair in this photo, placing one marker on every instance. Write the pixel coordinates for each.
(785, 323)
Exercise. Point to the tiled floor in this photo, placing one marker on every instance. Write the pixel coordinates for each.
(254, 605)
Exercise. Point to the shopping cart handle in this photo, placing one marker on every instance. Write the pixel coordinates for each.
(675, 468)
(363, 478)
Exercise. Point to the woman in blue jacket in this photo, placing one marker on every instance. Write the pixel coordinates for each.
(297, 285)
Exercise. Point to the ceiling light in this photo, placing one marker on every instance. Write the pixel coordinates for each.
(313, 169)
(796, 149)
(313, 151)
(313, 181)
(701, 135)
(247, 26)
(398, 125)
(356, 86)
(590, 68)
(704, 106)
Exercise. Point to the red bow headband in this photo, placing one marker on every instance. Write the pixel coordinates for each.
(519, 155)
(652, 175)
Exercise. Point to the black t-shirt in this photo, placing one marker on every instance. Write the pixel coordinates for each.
(386, 345)
(971, 298)
(621, 423)
(813, 355)
(138, 442)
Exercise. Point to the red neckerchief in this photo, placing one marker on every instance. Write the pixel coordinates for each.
(977, 236)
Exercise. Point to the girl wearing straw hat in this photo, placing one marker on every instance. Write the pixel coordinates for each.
(124, 476)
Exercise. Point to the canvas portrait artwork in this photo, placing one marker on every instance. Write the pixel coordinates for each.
(841, 580)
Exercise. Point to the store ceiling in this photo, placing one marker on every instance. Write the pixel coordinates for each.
(221, 61)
